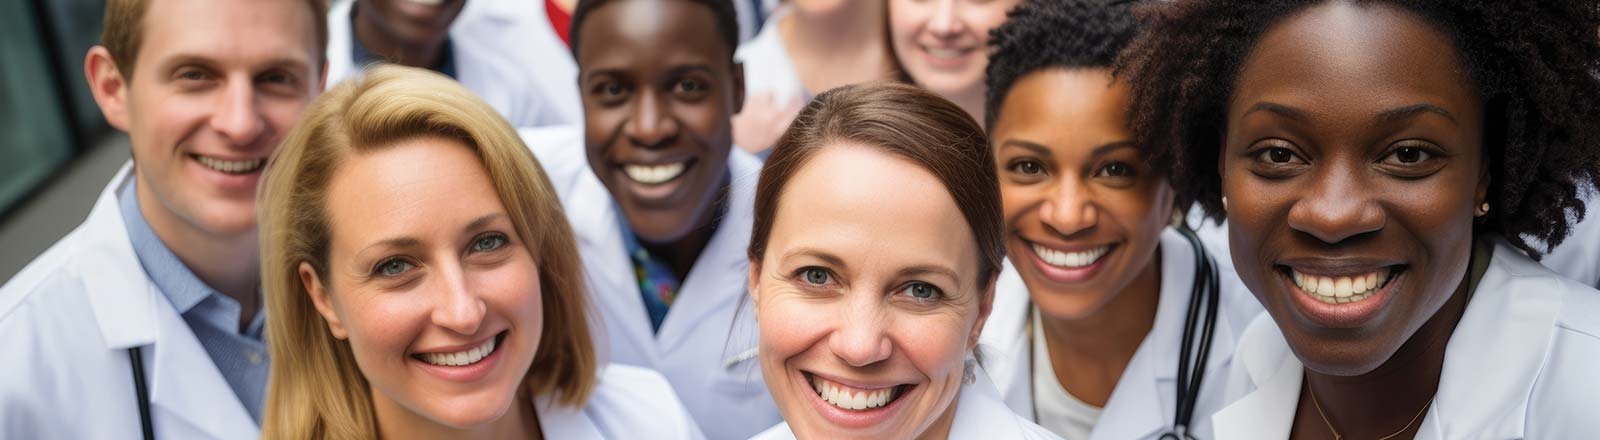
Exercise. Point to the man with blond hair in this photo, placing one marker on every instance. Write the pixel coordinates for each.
(146, 318)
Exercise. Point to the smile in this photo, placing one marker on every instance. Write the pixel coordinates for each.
(1341, 289)
(946, 53)
(1071, 260)
(231, 166)
(461, 358)
(427, 2)
(854, 399)
(654, 174)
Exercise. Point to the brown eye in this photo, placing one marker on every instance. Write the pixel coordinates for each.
(1279, 155)
(1116, 169)
(1027, 167)
(1411, 155)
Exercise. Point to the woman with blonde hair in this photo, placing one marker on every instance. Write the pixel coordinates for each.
(421, 281)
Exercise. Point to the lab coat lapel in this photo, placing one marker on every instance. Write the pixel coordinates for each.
(1267, 411)
(186, 384)
(559, 421)
(1509, 320)
(719, 278)
(1006, 343)
(121, 294)
(980, 414)
(611, 280)
(1138, 416)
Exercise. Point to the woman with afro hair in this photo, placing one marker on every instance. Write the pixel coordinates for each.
(1090, 320)
(1390, 172)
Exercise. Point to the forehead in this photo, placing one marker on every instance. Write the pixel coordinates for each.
(641, 33)
(871, 208)
(229, 31)
(415, 187)
(1359, 57)
(1061, 107)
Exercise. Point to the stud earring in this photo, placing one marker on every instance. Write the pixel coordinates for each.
(1483, 209)
(1224, 203)
(969, 375)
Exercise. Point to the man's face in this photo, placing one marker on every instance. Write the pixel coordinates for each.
(658, 91)
(216, 86)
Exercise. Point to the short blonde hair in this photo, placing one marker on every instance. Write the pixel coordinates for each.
(315, 389)
(122, 32)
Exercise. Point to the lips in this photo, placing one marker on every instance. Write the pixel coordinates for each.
(236, 167)
(854, 399)
(1071, 266)
(1341, 294)
(1340, 289)
(654, 174)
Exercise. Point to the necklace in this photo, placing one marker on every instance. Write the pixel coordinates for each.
(1335, 432)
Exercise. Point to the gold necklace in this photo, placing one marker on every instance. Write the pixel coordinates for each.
(1335, 432)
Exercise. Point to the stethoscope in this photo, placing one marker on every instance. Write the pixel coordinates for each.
(1204, 293)
(141, 393)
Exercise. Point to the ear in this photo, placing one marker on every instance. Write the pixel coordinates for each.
(322, 80)
(319, 298)
(985, 305)
(754, 287)
(108, 85)
(1481, 193)
(738, 88)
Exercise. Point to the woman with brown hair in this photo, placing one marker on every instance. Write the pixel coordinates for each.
(421, 281)
(873, 257)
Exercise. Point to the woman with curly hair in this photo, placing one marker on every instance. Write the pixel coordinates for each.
(1386, 168)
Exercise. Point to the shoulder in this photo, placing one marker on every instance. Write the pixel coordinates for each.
(629, 400)
(779, 432)
(1564, 395)
(47, 278)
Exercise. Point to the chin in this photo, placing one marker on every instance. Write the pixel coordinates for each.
(469, 413)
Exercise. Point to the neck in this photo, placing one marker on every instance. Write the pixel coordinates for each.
(940, 429)
(427, 55)
(1388, 399)
(972, 102)
(682, 254)
(1089, 353)
(399, 423)
(837, 48)
(228, 264)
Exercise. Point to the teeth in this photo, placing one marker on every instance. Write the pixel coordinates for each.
(946, 53)
(1070, 259)
(652, 175)
(427, 2)
(232, 166)
(1340, 290)
(460, 358)
(851, 398)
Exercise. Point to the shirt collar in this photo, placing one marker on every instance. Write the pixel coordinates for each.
(170, 275)
(364, 57)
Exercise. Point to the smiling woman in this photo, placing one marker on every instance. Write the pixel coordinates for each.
(421, 281)
(1384, 167)
(877, 219)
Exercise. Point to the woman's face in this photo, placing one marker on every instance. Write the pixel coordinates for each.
(944, 44)
(869, 301)
(430, 283)
(1084, 211)
(1352, 168)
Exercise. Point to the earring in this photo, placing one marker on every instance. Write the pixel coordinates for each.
(1483, 209)
(969, 375)
(1224, 203)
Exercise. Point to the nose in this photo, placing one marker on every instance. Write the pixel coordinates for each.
(651, 124)
(237, 116)
(945, 21)
(1337, 208)
(862, 338)
(1069, 209)
(457, 307)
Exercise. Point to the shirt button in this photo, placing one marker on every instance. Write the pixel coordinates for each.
(255, 357)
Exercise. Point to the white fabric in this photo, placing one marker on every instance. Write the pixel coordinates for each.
(499, 55)
(1143, 403)
(1054, 407)
(706, 345)
(980, 414)
(628, 402)
(1520, 364)
(67, 321)
(1578, 257)
(768, 69)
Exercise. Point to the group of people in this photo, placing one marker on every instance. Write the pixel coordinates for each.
(1013, 219)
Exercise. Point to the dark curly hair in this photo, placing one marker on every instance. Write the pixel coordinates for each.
(722, 10)
(1535, 64)
(1041, 34)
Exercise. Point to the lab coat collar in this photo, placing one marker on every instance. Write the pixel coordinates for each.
(123, 297)
(559, 421)
(131, 312)
(1509, 320)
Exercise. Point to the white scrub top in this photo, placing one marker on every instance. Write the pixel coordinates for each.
(628, 402)
(66, 324)
(1522, 363)
(980, 414)
(1145, 398)
(768, 69)
(492, 46)
(707, 343)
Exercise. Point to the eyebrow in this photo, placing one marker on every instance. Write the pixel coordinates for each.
(1278, 109)
(406, 242)
(484, 220)
(927, 269)
(1400, 113)
(687, 68)
(180, 60)
(815, 253)
(1041, 150)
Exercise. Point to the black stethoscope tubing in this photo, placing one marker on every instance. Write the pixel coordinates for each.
(141, 393)
(1203, 293)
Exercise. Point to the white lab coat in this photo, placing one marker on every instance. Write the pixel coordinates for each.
(1142, 405)
(628, 402)
(488, 39)
(1520, 364)
(707, 354)
(768, 69)
(980, 414)
(1578, 257)
(67, 321)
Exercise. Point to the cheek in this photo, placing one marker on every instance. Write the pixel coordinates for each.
(784, 338)
(512, 290)
(381, 325)
(935, 343)
(1018, 203)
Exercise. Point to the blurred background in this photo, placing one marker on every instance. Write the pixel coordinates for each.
(56, 151)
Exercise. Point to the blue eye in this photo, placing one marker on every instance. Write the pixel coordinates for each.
(815, 276)
(923, 291)
(392, 267)
(488, 243)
